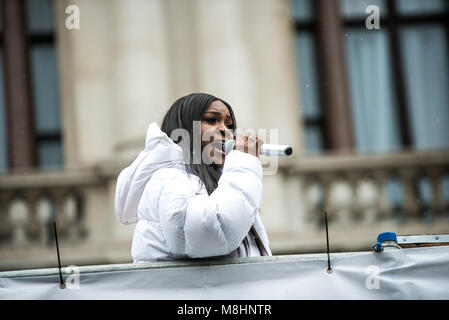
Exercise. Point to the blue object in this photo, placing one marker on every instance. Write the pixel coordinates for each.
(378, 247)
(387, 236)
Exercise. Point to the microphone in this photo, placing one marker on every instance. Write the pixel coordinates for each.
(265, 149)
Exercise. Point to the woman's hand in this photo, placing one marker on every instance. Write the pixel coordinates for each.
(248, 143)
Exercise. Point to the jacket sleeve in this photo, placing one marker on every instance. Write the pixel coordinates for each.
(204, 226)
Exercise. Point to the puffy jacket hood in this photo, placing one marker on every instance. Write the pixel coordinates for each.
(160, 152)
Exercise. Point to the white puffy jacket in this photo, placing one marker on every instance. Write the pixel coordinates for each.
(175, 216)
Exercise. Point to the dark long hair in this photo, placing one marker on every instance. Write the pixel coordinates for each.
(181, 115)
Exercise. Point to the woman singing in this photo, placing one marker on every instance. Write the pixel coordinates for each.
(190, 199)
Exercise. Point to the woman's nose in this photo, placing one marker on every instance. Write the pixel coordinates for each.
(226, 132)
(222, 128)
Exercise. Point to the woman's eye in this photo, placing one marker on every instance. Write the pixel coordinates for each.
(230, 126)
(211, 120)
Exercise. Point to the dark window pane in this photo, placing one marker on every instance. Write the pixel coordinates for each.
(50, 154)
(39, 16)
(374, 114)
(302, 9)
(357, 8)
(3, 131)
(45, 88)
(46, 104)
(310, 105)
(425, 57)
(1, 16)
(417, 7)
(308, 75)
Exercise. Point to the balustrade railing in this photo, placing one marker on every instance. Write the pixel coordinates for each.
(30, 203)
(366, 189)
(356, 190)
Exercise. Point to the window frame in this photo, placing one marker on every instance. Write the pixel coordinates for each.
(31, 39)
(393, 20)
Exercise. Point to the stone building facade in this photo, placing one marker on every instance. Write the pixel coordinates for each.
(130, 60)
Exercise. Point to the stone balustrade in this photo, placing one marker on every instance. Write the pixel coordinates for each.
(365, 189)
(30, 203)
(359, 192)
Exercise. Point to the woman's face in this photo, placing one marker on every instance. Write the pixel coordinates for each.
(216, 128)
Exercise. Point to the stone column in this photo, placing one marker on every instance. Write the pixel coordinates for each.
(114, 76)
(85, 63)
(141, 71)
(334, 80)
(182, 46)
(245, 55)
(19, 105)
(270, 45)
(223, 58)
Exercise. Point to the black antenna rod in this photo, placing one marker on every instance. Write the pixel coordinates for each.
(329, 269)
(61, 285)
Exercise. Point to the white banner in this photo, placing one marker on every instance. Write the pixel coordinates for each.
(415, 273)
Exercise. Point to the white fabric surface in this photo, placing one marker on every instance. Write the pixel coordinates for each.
(418, 273)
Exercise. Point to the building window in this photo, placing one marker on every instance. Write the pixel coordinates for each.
(3, 129)
(311, 110)
(43, 80)
(397, 76)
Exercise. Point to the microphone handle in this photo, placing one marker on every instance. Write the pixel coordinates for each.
(279, 150)
(265, 149)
